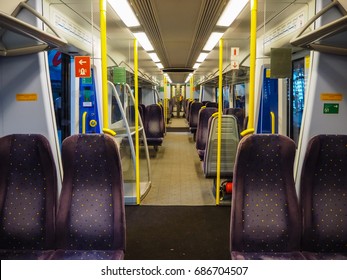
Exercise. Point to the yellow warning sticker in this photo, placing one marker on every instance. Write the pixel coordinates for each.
(331, 96)
(26, 97)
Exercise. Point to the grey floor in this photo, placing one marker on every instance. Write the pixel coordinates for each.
(177, 177)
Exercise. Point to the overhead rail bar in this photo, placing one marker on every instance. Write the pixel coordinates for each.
(10, 22)
(309, 40)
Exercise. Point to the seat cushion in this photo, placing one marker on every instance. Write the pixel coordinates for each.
(325, 256)
(25, 254)
(235, 255)
(88, 255)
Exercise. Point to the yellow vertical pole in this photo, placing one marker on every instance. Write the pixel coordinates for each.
(104, 63)
(137, 138)
(253, 53)
(165, 101)
(191, 95)
(220, 99)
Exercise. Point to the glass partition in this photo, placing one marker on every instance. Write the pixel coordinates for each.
(122, 121)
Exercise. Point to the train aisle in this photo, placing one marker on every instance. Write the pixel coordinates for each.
(177, 177)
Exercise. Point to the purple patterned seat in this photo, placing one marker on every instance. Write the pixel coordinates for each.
(239, 113)
(28, 194)
(91, 217)
(193, 116)
(154, 125)
(323, 192)
(265, 215)
(202, 130)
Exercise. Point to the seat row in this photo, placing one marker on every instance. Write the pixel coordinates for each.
(207, 138)
(90, 221)
(267, 221)
(152, 117)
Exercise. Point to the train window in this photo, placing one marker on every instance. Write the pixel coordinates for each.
(59, 69)
(239, 93)
(296, 98)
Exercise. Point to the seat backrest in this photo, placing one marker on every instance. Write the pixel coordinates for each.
(142, 108)
(202, 128)
(265, 215)
(154, 121)
(91, 208)
(194, 113)
(189, 105)
(323, 194)
(239, 113)
(211, 104)
(230, 140)
(28, 193)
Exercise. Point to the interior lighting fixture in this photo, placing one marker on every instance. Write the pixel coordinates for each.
(196, 65)
(154, 57)
(159, 65)
(231, 12)
(212, 41)
(144, 41)
(125, 12)
(202, 57)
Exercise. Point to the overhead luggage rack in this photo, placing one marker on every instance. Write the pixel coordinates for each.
(33, 39)
(314, 40)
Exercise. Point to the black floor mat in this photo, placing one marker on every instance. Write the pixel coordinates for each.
(177, 232)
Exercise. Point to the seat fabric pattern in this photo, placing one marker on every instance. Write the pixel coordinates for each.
(154, 125)
(193, 116)
(91, 213)
(88, 255)
(265, 217)
(28, 190)
(323, 190)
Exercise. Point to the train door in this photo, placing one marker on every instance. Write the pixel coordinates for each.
(59, 70)
(296, 98)
(239, 96)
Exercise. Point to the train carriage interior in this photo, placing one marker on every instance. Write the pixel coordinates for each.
(173, 129)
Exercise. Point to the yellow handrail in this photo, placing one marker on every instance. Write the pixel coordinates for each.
(84, 121)
(220, 106)
(109, 131)
(272, 122)
(253, 53)
(104, 63)
(137, 138)
(247, 131)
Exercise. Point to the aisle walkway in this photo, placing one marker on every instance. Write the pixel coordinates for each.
(177, 177)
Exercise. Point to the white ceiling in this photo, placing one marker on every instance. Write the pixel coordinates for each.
(178, 30)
